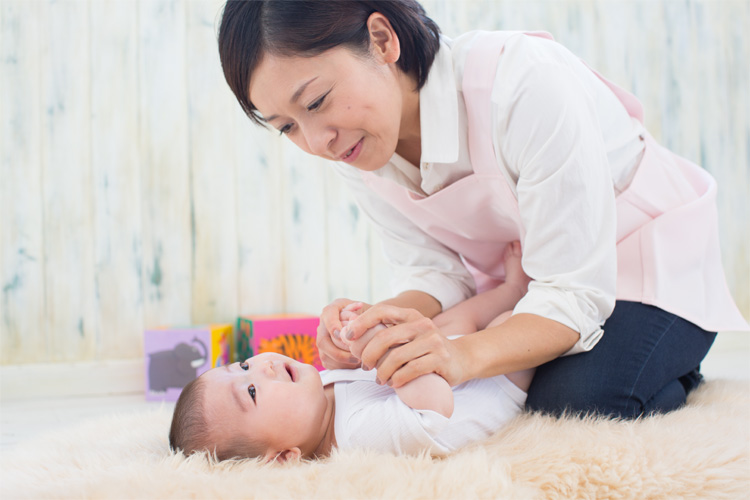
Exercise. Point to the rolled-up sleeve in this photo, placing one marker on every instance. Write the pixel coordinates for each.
(419, 262)
(551, 144)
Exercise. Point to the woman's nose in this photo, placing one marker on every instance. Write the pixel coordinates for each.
(320, 139)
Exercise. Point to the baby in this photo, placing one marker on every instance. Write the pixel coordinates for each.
(274, 407)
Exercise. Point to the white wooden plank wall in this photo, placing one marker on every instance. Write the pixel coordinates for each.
(135, 193)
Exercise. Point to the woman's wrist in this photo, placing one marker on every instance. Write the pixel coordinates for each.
(523, 341)
(462, 361)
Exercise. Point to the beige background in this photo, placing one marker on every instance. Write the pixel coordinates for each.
(134, 192)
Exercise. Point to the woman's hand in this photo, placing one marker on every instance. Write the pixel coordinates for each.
(410, 347)
(333, 352)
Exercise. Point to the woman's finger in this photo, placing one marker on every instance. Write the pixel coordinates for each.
(429, 363)
(375, 351)
(332, 357)
(425, 354)
(377, 314)
(332, 351)
(330, 316)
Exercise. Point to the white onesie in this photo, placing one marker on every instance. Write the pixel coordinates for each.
(372, 416)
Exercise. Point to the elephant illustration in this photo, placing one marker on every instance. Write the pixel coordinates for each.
(177, 367)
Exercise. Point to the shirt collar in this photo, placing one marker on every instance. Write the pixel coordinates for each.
(438, 109)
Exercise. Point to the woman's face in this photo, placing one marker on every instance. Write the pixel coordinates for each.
(337, 105)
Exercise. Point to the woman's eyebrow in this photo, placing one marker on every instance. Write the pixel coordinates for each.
(301, 89)
(295, 98)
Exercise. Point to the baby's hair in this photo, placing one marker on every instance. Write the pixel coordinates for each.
(191, 431)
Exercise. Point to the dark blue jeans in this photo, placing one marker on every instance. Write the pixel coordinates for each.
(647, 362)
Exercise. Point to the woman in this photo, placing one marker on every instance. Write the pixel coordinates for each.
(456, 148)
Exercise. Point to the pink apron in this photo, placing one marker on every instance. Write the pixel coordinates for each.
(667, 235)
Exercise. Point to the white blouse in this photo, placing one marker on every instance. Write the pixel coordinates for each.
(566, 146)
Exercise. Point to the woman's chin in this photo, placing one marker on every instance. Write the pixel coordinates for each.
(370, 164)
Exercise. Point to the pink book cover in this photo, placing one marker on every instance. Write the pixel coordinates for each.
(293, 336)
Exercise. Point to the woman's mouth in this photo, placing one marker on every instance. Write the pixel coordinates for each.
(353, 153)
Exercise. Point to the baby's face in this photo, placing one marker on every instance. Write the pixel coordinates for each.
(269, 398)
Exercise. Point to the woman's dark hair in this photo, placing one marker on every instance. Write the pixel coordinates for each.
(251, 28)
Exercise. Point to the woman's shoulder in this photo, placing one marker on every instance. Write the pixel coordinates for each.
(537, 46)
(524, 55)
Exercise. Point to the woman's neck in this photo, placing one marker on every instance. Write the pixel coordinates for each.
(409, 144)
(328, 441)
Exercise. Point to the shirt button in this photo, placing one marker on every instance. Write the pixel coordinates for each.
(426, 166)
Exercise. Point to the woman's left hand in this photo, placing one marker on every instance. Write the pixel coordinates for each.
(410, 347)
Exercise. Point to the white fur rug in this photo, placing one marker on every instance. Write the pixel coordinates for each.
(700, 451)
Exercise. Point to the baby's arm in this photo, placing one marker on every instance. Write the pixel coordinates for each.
(428, 392)
(476, 313)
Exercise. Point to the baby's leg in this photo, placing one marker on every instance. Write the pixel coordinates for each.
(521, 378)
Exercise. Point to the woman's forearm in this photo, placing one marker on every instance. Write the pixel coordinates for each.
(523, 341)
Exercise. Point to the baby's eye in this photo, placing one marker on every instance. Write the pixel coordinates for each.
(244, 366)
(285, 129)
(251, 391)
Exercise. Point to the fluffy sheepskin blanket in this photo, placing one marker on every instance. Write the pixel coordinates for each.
(700, 451)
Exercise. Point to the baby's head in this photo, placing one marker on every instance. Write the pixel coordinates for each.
(269, 406)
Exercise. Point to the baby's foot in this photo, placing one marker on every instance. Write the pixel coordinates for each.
(513, 270)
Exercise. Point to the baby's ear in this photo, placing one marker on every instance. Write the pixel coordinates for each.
(293, 455)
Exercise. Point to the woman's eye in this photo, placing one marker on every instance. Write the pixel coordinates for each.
(251, 391)
(244, 366)
(285, 129)
(318, 103)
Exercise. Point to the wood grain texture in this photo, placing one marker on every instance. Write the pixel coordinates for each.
(22, 303)
(212, 176)
(116, 189)
(166, 212)
(67, 181)
(134, 192)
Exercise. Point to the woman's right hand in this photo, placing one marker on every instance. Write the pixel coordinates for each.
(333, 352)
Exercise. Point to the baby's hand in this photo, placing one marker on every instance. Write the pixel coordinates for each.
(513, 270)
(348, 314)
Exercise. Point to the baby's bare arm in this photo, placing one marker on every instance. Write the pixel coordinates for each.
(428, 392)
(476, 313)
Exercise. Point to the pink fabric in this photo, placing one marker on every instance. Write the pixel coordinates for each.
(667, 236)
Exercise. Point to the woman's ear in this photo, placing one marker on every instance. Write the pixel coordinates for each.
(292, 455)
(384, 42)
